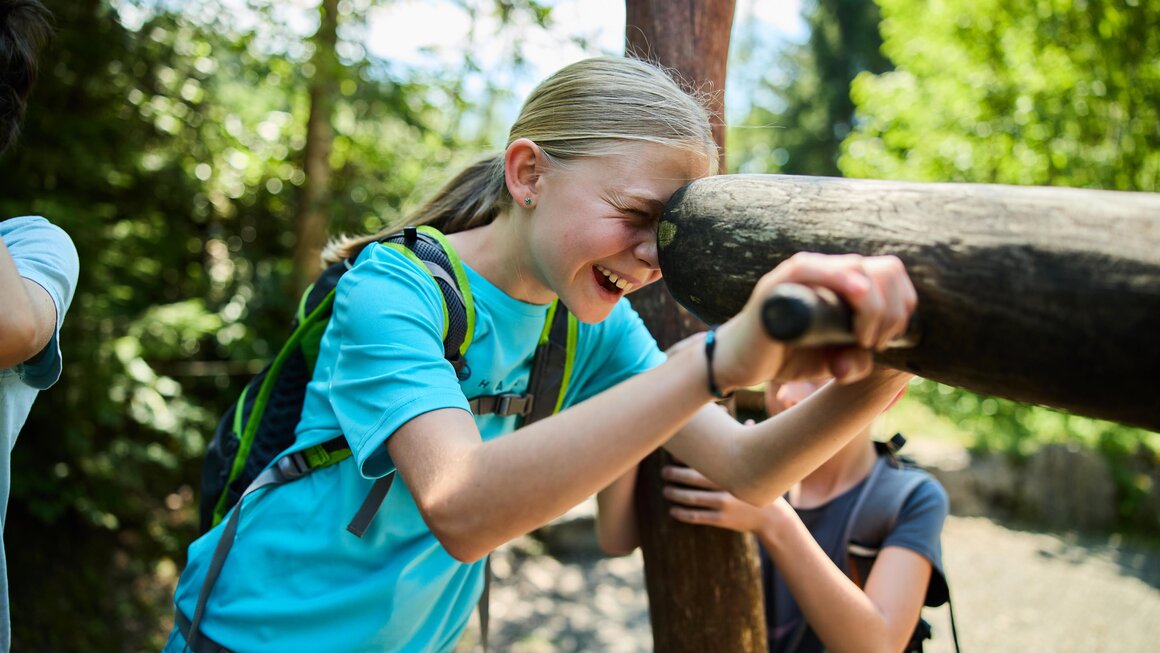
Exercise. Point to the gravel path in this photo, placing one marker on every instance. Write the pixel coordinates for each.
(1013, 591)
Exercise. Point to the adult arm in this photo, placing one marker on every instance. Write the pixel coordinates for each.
(28, 319)
(845, 618)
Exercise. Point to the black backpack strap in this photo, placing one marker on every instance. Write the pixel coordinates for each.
(427, 245)
(552, 364)
(551, 369)
(429, 249)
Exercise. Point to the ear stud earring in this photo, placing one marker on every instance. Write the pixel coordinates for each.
(527, 201)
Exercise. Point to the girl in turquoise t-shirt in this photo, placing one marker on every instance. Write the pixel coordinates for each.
(568, 210)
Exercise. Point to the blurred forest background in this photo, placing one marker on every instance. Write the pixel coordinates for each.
(192, 156)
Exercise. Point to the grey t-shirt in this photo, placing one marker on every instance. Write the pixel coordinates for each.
(43, 253)
(918, 528)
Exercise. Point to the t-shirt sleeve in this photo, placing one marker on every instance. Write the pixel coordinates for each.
(919, 528)
(612, 351)
(44, 254)
(388, 319)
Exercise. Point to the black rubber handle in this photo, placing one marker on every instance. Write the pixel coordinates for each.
(816, 317)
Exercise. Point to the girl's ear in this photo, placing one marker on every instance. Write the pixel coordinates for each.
(523, 166)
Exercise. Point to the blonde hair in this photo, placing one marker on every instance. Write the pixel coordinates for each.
(586, 109)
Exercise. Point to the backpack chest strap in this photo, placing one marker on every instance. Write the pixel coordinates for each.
(503, 405)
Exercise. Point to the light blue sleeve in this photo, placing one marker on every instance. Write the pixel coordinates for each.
(44, 254)
(612, 351)
(388, 326)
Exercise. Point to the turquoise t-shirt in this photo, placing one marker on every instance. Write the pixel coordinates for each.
(295, 579)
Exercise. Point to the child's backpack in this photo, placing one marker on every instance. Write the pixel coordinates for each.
(874, 515)
(246, 452)
(260, 425)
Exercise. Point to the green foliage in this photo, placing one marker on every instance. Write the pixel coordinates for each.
(808, 111)
(1050, 92)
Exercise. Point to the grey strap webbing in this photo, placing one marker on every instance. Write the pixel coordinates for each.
(370, 506)
(275, 475)
(483, 603)
(204, 644)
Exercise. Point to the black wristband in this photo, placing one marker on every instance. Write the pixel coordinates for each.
(710, 345)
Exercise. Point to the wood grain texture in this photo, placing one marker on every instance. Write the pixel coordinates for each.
(703, 583)
(1042, 295)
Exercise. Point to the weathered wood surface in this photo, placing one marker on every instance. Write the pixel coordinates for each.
(703, 587)
(1041, 295)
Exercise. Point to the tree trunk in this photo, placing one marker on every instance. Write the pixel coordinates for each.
(1041, 295)
(311, 219)
(703, 583)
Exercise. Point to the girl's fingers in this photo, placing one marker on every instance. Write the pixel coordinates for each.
(694, 498)
(687, 476)
(899, 297)
(850, 364)
(877, 288)
(701, 517)
(844, 274)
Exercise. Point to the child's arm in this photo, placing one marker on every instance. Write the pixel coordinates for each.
(845, 618)
(758, 463)
(616, 516)
(476, 496)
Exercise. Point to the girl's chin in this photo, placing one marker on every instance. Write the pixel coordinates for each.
(591, 312)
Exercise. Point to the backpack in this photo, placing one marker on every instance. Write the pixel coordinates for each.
(874, 515)
(260, 425)
(249, 447)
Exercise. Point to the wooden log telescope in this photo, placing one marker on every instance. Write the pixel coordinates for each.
(1041, 295)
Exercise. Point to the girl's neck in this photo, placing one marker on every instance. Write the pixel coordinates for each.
(498, 253)
(842, 471)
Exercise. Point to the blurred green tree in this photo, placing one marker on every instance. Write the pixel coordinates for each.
(806, 109)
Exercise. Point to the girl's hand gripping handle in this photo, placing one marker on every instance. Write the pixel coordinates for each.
(880, 298)
(816, 317)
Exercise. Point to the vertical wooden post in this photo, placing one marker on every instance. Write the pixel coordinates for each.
(703, 583)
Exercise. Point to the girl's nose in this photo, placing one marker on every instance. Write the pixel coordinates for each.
(646, 251)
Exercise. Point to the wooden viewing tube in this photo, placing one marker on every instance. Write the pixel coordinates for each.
(1041, 295)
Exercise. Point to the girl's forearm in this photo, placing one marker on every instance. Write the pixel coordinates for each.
(759, 463)
(509, 486)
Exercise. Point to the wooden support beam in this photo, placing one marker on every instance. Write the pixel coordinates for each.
(703, 583)
(1041, 295)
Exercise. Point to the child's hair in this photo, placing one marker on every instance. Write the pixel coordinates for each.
(587, 108)
(24, 31)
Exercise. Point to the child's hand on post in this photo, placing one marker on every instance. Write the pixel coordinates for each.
(876, 288)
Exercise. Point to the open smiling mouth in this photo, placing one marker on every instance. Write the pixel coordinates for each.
(609, 281)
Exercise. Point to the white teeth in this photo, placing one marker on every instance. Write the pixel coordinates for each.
(623, 284)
